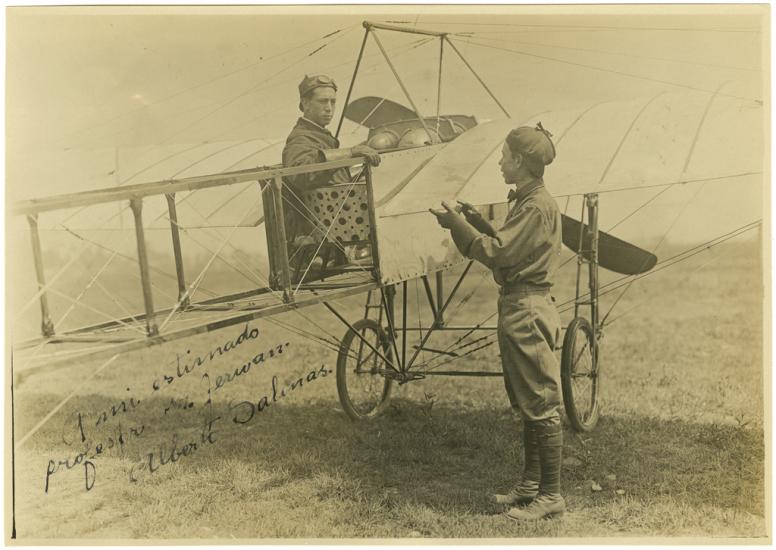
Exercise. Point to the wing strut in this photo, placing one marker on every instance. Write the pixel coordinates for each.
(477, 76)
(399, 80)
(352, 82)
(370, 29)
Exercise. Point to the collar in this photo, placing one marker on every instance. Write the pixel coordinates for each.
(515, 195)
(314, 125)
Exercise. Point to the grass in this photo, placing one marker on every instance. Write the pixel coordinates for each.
(679, 450)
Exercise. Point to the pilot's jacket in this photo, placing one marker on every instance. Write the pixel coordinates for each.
(524, 256)
(308, 143)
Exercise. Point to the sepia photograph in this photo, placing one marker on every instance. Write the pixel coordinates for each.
(403, 274)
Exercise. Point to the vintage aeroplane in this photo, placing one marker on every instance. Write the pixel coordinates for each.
(662, 142)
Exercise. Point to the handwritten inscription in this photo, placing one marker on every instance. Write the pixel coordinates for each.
(84, 458)
(187, 363)
(179, 404)
(257, 359)
(115, 410)
(92, 435)
(179, 448)
(246, 410)
(175, 451)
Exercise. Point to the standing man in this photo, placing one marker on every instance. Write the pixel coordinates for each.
(524, 256)
(310, 142)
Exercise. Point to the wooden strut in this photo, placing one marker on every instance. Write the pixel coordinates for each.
(142, 257)
(371, 211)
(183, 297)
(358, 334)
(439, 82)
(477, 77)
(194, 183)
(387, 295)
(352, 82)
(437, 323)
(46, 326)
(169, 336)
(438, 315)
(282, 247)
(371, 25)
(404, 322)
(401, 83)
(429, 296)
(580, 260)
(592, 209)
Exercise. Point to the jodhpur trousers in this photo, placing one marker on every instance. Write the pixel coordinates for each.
(528, 330)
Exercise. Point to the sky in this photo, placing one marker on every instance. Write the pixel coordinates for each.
(96, 96)
(104, 77)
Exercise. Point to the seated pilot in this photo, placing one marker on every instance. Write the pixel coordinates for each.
(308, 143)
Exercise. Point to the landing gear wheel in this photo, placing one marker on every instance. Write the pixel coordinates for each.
(579, 375)
(363, 388)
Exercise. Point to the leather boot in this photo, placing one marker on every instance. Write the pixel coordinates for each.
(549, 501)
(528, 487)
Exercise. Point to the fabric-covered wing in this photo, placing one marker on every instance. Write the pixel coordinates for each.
(656, 141)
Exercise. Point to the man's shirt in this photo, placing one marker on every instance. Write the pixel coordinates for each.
(305, 145)
(526, 250)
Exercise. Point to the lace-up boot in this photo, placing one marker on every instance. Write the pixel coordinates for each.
(528, 487)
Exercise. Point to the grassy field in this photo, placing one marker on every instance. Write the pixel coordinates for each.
(679, 449)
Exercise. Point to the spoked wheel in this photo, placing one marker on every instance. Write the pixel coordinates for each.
(580, 375)
(362, 386)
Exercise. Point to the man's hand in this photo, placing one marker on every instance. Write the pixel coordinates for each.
(446, 217)
(465, 208)
(372, 156)
(475, 218)
(468, 210)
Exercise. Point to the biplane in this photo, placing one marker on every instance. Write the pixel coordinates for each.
(661, 142)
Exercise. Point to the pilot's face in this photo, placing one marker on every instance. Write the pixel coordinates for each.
(319, 104)
(510, 165)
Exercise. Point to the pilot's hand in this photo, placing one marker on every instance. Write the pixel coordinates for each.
(447, 217)
(372, 156)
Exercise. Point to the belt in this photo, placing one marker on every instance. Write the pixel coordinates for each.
(524, 289)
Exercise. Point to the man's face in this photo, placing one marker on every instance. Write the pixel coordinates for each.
(509, 165)
(318, 105)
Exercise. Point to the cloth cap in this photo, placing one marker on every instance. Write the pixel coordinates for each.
(535, 144)
(309, 83)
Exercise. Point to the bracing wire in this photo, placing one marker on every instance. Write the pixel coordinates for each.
(605, 289)
(131, 259)
(234, 99)
(253, 272)
(684, 279)
(516, 52)
(219, 107)
(607, 70)
(668, 262)
(582, 27)
(210, 81)
(607, 52)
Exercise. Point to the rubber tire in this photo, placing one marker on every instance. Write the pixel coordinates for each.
(579, 326)
(342, 365)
